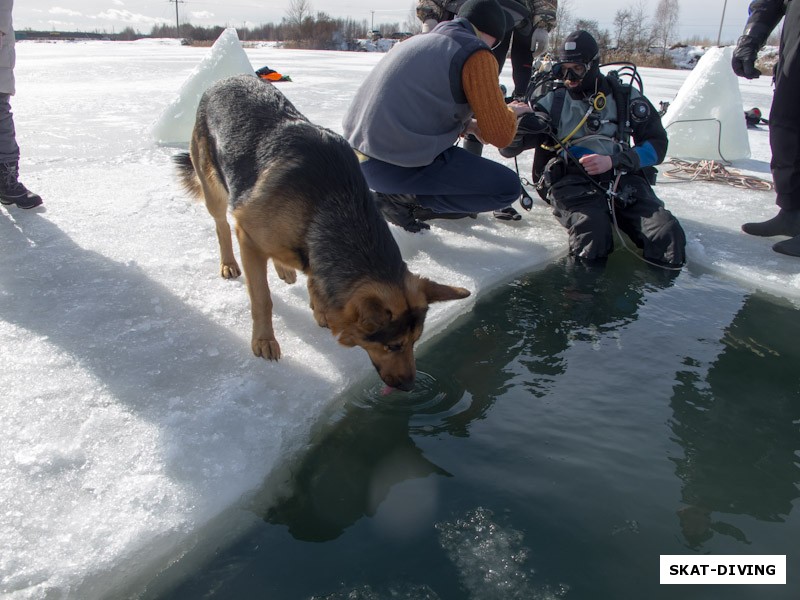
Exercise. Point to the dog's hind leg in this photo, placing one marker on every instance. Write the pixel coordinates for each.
(288, 274)
(254, 262)
(216, 198)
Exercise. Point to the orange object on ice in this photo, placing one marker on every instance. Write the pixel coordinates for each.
(271, 75)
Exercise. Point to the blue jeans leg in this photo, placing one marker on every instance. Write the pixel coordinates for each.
(456, 181)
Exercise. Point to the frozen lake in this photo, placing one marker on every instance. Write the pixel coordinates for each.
(136, 418)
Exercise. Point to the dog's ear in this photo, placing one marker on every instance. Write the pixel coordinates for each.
(372, 315)
(364, 317)
(438, 292)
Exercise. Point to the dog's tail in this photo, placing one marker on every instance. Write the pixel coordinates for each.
(188, 177)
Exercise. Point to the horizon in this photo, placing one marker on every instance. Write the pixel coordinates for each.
(95, 16)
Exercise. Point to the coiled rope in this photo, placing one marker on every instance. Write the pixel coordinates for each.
(714, 171)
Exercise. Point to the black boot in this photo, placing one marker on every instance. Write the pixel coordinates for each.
(399, 210)
(12, 191)
(790, 247)
(786, 222)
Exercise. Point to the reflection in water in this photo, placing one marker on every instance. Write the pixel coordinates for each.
(739, 428)
(367, 450)
(519, 337)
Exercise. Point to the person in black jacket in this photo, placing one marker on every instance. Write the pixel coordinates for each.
(597, 178)
(784, 117)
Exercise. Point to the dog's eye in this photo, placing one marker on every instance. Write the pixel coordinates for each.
(393, 347)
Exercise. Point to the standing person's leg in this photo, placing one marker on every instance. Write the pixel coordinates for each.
(9, 150)
(785, 145)
(521, 61)
(784, 137)
(11, 190)
(784, 132)
(501, 50)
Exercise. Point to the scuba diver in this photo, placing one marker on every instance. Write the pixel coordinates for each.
(583, 123)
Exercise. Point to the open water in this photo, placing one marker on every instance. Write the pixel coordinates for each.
(573, 427)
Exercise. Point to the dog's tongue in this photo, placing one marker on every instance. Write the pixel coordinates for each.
(387, 389)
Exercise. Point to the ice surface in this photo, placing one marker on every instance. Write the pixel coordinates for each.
(226, 58)
(706, 119)
(134, 416)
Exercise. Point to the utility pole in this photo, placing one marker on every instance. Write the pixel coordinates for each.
(177, 25)
(719, 35)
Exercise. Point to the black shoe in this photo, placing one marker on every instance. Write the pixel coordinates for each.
(398, 209)
(509, 213)
(23, 199)
(790, 247)
(12, 191)
(786, 222)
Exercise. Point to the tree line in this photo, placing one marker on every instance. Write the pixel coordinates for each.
(302, 27)
(635, 35)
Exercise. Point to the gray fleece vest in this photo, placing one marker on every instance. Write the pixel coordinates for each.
(412, 106)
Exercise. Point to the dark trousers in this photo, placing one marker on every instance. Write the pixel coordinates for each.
(9, 151)
(456, 181)
(521, 58)
(784, 117)
(583, 209)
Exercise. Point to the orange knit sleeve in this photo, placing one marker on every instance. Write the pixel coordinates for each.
(496, 121)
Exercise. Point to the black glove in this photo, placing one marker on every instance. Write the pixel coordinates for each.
(531, 129)
(744, 57)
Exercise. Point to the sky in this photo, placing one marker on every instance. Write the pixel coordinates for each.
(696, 18)
(135, 418)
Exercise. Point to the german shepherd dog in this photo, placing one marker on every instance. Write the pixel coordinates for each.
(298, 196)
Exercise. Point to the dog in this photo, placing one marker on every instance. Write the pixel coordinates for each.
(298, 197)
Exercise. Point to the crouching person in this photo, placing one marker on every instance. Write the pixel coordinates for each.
(601, 171)
(411, 109)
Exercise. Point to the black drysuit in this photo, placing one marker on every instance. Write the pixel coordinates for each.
(784, 117)
(579, 202)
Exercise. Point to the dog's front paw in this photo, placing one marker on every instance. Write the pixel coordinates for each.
(230, 270)
(267, 348)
